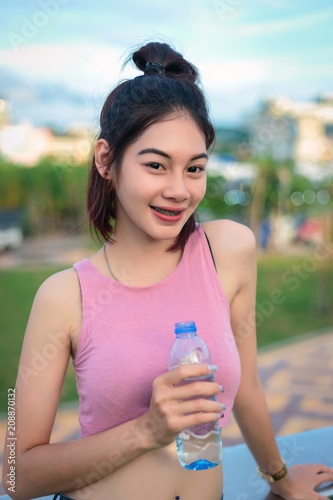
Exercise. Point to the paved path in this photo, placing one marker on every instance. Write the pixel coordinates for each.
(56, 249)
(298, 381)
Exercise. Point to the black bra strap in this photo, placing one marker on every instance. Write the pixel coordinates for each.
(210, 251)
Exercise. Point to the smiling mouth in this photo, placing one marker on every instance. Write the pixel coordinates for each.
(165, 212)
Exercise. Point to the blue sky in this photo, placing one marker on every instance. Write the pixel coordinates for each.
(59, 58)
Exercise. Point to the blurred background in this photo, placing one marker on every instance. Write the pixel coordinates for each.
(266, 69)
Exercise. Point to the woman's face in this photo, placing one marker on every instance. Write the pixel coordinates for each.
(157, 191)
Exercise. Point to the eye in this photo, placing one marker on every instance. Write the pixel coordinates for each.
(196, 170)
(155, 166)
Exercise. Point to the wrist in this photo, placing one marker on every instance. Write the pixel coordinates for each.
(144, 430)
(283, 487)
(278, 479)
(274, 474)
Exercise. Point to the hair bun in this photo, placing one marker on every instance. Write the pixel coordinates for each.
(161, 53)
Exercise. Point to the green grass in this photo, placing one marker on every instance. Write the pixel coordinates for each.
(299, 313)
(304, 289)
(17, 290)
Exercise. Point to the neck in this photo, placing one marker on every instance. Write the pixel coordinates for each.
(141, 262)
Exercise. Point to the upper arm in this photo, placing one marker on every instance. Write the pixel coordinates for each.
(54, 319)
(234, 249)
(243, 318)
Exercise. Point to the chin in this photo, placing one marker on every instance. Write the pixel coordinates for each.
(168, 233)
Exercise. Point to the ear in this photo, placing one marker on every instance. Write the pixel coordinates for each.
(102, 149)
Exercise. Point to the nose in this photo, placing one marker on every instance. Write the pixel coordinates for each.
(176, 188)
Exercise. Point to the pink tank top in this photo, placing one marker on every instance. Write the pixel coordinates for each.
(127, 332)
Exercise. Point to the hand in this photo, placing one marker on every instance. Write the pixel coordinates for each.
(171, 409)
(301, 480)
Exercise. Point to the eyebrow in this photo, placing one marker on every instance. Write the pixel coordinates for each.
(161, 153)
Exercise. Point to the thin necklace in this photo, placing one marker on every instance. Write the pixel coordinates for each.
(107, 263)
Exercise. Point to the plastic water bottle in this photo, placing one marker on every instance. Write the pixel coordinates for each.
(199, 446)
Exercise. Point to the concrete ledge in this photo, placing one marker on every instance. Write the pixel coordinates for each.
(241, 481)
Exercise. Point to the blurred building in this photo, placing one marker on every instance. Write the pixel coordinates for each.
(231, 169)
(74, 146)
(302, 131)
(4, 113)
(26, 144)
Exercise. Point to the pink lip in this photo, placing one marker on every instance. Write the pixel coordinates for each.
(171, 209)
(168, 218)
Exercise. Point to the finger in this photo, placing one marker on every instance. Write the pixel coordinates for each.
(196, 405)
(177, 375)
(194, 389)
(323, 478)
(197, 419)
(318, 468)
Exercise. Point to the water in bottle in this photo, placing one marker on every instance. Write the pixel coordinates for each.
(199, 447)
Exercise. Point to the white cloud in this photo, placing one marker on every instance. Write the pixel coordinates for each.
(230, 74)
(97, 68)
(81, 66)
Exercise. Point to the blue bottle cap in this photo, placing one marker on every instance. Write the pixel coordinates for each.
(187, 326)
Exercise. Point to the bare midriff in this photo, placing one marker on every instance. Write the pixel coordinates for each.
(156, 475)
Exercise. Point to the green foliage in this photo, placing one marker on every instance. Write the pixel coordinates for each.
(214, 206)
(49, 196)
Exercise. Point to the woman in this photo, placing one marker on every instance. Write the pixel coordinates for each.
(114, 314)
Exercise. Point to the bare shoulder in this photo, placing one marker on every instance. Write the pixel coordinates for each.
(60, 287)
(234, 249)
(230, 238)
(59, 298)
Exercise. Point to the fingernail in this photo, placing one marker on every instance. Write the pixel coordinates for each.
(220, 415)
(221, 388)
(213, 368)
(223, 406)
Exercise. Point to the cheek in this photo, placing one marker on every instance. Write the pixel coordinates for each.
(134, 193)
(127, 188)
(200, 191)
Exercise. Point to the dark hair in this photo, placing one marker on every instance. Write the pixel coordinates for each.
(133, 106)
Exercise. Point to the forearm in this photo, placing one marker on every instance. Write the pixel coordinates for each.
(52, 468)
(252, 415)
(253, 418)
